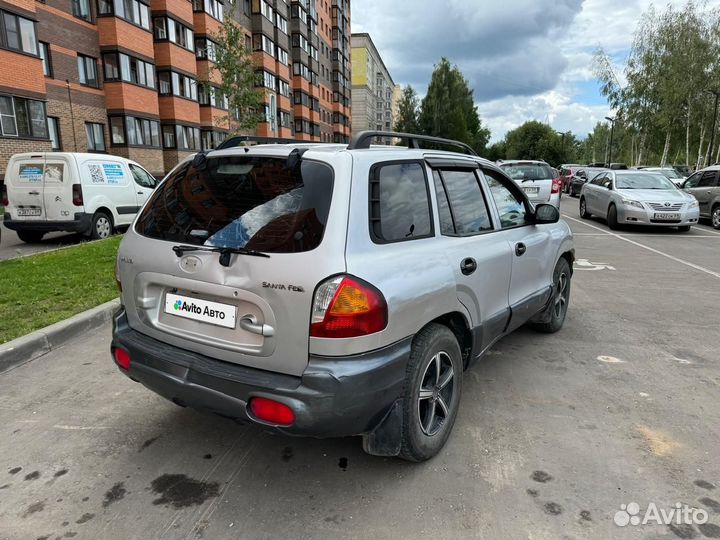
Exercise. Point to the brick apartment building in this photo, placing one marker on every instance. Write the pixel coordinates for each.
(121, 76)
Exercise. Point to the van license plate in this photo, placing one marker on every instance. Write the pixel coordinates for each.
(667, 217)
(201, 310)
(28, 212)
(531, 190)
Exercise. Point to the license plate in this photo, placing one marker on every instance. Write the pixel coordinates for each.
(28, 212)
(201, 310)
(667, 217)
(531, 190)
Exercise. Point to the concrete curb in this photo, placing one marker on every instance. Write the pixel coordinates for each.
(26, 348)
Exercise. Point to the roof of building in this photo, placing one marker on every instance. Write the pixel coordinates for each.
(377, 53)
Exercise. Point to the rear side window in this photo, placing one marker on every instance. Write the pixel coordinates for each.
(238, 201)
(399, 202)
(470, 213)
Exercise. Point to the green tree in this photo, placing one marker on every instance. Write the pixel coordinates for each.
(535, 140)
(407, 120)
(234, 66)
(448, 109)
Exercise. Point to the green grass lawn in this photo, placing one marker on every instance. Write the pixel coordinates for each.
(46, 288)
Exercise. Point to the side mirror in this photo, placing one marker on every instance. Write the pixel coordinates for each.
(546, 213)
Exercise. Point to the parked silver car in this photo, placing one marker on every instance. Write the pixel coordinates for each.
(704, 186)
(582, 176)
(325, 290)
(638, 198)
(537, 180)
(668, 172)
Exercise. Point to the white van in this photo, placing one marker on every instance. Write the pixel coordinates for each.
(92, 194)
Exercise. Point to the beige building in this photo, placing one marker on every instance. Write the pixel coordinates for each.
(373, 90)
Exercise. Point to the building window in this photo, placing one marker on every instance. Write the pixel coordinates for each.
(81, 9)
(261, 6)
(181, 137)
(263, 43)
(283, 57)
(17, 33)
(266, 79)
(45, 56)
(214, 97)
(176, 84)
(211, 139)
(54, 133)
(132, 11)
(121, 67)
(205, 49)
(20, 117)
(167, 29)
(213, 8)
(95, 137)
(87, 70)
(281, 23)
(134, 131)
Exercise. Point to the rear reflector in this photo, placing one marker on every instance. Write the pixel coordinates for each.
(5, 201)
(271, 411)
(122, 358)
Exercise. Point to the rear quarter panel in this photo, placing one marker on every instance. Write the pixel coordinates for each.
(414, 276)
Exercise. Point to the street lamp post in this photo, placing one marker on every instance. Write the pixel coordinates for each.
(612, 129)
(562, 144)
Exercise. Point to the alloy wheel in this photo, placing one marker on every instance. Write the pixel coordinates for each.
(436, 394)
(716, 218)
(561, 295)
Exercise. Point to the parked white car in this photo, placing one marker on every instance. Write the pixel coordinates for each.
(92, 194)
(540, 182)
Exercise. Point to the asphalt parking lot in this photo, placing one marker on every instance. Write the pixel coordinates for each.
(11, 246)
(555, 432)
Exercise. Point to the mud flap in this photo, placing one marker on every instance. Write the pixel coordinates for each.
(386, 438)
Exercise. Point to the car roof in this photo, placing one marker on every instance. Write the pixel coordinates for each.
(523, 162)
(382, 152)
(76, 155)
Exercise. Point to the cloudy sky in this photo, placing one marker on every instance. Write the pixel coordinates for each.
(525, 59)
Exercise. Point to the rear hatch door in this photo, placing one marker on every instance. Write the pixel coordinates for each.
(245, 309)
(24, 181)
(535, 179)
(57, 189)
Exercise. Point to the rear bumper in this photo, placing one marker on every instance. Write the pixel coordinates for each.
(334, 397)
(80, 223)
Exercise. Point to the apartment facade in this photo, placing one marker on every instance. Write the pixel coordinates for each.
(122, 76)
(373, 89)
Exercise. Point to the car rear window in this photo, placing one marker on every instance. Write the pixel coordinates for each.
(529, 172)
(242, 202)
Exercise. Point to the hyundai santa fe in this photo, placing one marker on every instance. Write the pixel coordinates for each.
(328, 290)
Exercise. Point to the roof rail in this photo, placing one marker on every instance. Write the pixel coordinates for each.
(237, 140)
(363, 139)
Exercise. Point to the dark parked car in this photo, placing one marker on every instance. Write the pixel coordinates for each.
(582, 177)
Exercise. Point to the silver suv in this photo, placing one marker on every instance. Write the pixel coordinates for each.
(327, 290)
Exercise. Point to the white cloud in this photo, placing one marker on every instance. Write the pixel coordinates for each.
(525, 59)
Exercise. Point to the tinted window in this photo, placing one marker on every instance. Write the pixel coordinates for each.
(446, 222)
(709, 179)
(400, 207)
(510, 206)
(238, 201)
(529, 172)
(693, 180)
(469, 209)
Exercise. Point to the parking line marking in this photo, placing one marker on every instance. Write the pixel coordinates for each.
(653, 250)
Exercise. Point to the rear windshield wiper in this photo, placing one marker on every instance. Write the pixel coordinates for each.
(224, 252)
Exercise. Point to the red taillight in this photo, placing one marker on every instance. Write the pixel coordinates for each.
(272, 412)
(346, 307)
(5, 200)
(556, 185)
(77, 195)
(122, 358)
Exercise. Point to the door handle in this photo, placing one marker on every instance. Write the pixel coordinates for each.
(139, 192)
(33, 193)
(468, 266)
(520, 249)
(249, 323)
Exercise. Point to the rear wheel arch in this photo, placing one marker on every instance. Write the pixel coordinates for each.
(458, 325)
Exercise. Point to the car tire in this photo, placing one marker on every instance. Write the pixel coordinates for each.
(612, 218)
(715, 216)
(684, 228)
(433, 386)
(30, 237)
(101, 227)
(583, 209)
(562, 279)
